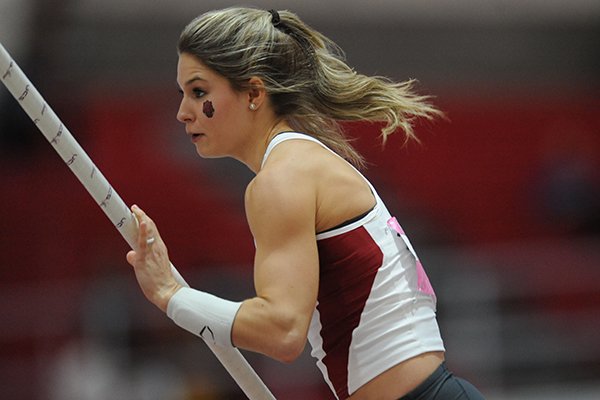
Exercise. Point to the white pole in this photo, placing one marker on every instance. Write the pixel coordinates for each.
(107, 198)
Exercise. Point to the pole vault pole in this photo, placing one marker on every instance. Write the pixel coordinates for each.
(107, 199)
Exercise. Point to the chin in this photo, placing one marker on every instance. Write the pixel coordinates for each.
(207, 154)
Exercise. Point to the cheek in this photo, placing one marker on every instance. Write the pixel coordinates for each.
(208, 109)
(220, 111)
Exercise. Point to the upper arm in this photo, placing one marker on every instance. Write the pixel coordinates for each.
(280, 207)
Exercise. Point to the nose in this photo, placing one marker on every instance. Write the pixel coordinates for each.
(183, 114)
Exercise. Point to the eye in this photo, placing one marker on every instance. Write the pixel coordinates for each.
(198, 92)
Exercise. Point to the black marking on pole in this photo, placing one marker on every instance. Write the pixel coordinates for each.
(8, 73)
(72, 159)
(107, 198)
(121, 222)
(25, 93)
(56, 138)
(35, 121)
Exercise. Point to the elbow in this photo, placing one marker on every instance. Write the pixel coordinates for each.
(289, 347)
(288, 339)
(289, 331)
(276, 332)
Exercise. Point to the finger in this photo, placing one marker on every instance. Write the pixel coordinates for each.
(144, 236)
(141, 216)
(138, 212)
(146, 231)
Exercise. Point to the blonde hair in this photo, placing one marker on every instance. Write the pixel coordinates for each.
(305, 75)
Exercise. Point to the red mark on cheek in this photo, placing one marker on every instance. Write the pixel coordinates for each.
(208, 109)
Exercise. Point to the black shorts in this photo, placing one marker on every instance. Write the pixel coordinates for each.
(442, 385)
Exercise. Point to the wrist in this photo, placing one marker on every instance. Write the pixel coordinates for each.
(165, 294)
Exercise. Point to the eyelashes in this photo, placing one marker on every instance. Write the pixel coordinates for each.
(196, 92)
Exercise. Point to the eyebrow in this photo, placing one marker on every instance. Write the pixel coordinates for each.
(191, 80)
(194, 79)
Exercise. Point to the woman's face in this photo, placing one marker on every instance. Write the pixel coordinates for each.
(216, 117)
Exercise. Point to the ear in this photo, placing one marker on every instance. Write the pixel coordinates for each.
(257, 93)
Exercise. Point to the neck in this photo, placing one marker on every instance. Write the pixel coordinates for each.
(258, 149)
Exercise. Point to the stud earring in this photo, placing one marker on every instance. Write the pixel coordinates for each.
(252, 106)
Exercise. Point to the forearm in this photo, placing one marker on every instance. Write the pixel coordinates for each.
(254, 325)
(270, 328)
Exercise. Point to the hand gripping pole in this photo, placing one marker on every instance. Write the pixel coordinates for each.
(107, 198)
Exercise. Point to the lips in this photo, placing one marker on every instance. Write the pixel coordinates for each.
(195, 136)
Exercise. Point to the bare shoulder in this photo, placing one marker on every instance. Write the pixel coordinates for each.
(290, 169)
(303, 183)
(284, 191)
(297, 155)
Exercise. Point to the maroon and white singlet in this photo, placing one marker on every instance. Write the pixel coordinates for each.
(375, 306)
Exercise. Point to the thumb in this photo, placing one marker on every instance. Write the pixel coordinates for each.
(131, 257)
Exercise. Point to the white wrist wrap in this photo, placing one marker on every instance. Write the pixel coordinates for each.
(203, 314)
